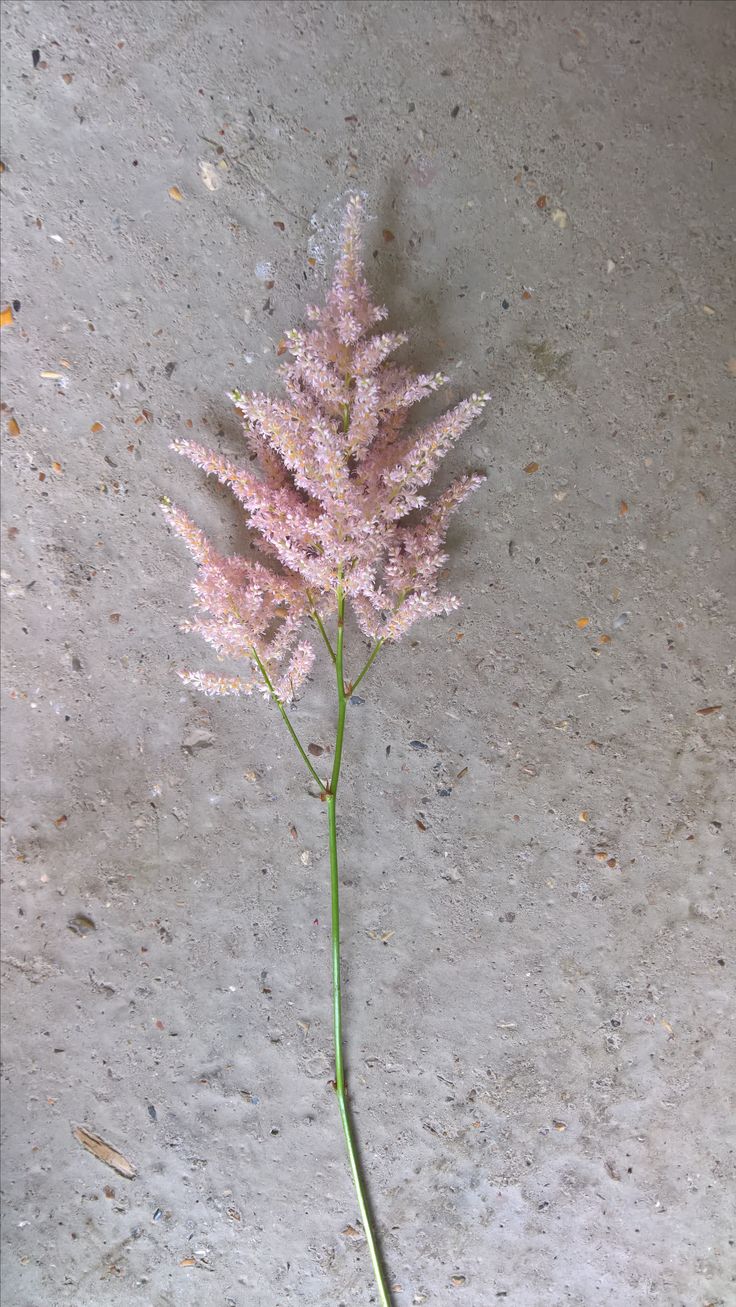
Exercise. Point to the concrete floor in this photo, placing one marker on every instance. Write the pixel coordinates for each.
(540, 1006)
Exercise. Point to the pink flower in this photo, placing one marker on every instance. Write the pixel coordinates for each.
(336, 478)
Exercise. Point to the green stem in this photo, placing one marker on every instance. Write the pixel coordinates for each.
(342, 1098)
(321, 628)
(377, 646)
(287, 720)
(372, 655)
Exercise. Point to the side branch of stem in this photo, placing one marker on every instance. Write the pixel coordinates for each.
(287, 719)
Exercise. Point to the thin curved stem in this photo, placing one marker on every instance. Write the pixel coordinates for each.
(321, 628)
(287, 720)
(342, 1097)
(354, 684)
(379, 643)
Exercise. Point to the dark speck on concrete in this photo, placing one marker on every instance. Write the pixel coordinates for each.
(81, 924)
(417, 744)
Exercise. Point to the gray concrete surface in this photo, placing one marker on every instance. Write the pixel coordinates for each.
(540, 1037)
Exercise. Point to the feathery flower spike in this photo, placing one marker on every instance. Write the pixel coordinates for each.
(338, 513)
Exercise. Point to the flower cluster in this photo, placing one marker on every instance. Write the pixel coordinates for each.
(336, 475)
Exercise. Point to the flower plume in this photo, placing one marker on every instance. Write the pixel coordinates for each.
(333, 478)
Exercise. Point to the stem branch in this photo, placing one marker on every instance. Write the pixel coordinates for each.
(354, 684)
(287, 719)
(321, 628)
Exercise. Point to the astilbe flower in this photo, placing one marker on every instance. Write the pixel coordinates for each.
(337, 476)
(335, 494)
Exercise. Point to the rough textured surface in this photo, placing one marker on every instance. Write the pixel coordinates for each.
(541, 1045)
